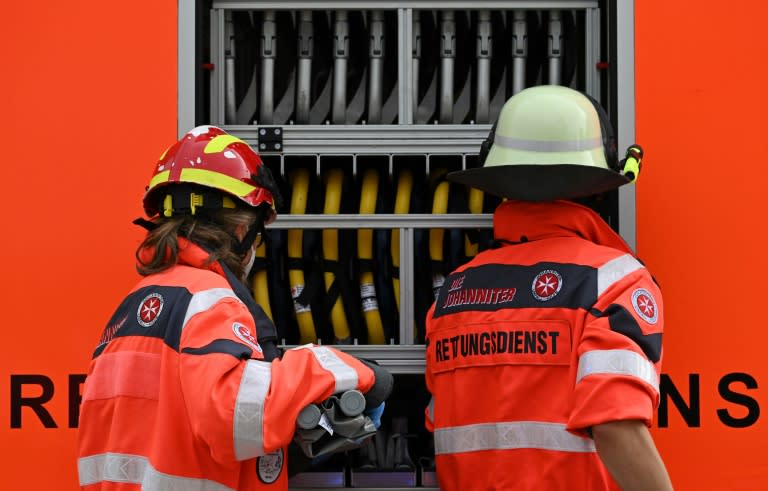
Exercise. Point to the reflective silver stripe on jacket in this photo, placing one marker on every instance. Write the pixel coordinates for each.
(135, 469)
(345, 375)
(431, 409)
(509, 436)
(547, 146)
(204, 300)
(249, 409)
(617, 362)
(614, 270)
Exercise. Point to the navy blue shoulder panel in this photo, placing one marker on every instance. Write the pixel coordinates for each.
(152, 311)
(492, 287)
(622, 322)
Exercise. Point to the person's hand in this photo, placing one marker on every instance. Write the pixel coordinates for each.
(375, 414)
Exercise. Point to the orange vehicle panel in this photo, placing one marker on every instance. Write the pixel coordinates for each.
(701, 101)
(88, 94)
(89, 100)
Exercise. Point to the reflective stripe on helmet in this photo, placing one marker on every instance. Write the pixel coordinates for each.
(547, 145)
(159, 178)
(216, 180)
(219, 143)
(162, 157)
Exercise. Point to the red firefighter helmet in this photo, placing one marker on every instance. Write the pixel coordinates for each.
(208, 157)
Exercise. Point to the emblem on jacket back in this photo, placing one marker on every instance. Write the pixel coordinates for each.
(149, 309)
(546, 285)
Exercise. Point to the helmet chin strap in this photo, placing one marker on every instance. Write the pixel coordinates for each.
(242, 246)
(248, 267)
(145, 224)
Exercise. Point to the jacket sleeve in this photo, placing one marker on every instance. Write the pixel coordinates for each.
(242, 406)
(620, 350)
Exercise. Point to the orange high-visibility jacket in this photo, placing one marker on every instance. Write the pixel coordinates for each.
(531, 344)
(180, 394)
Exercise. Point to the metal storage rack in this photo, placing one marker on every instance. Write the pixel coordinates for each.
(423, 110)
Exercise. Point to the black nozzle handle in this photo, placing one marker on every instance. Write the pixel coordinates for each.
(382, 387)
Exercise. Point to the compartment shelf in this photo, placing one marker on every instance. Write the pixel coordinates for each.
(410, 139)
(398, 359)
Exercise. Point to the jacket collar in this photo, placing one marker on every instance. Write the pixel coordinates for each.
(190, 254)
(193, 255)
(521, 221)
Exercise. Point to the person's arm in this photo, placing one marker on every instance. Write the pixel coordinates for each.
(629, 454)
(241, 405)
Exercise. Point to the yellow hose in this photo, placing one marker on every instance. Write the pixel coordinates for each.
(260, 285)
(402, 206)
(476, 207)
(370, 304)
(333, 190)
(439, 206)
(300, 183)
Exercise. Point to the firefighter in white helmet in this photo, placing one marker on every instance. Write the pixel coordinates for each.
(544, 354)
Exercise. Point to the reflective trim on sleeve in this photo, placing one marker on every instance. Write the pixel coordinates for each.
(617, 362)
(249, 410)
(431, 409)
(204, 300)
(509, 436)
(614, 270)
(345, 376)
(136, 469)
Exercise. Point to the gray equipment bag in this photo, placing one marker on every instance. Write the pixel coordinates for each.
(340, 422)
(336, 425)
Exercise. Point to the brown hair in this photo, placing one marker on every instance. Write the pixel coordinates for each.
(216, 231)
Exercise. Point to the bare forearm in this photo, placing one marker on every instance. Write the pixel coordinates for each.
(629, 454)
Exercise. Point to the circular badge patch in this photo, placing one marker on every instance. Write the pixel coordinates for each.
(645, 305)
(269, 466)
(149, 309)
(546, 285)
(244, 334)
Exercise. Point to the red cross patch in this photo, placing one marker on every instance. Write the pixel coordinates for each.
(149, 309)
(645, 305)
(546, 285)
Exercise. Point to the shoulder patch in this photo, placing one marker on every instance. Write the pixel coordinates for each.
(244, 334)
(546, 285)
(269, 466)
(645, 305)
(149, 309)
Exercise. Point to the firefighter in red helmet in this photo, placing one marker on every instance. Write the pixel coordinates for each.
(187, 388)
(544, 354)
